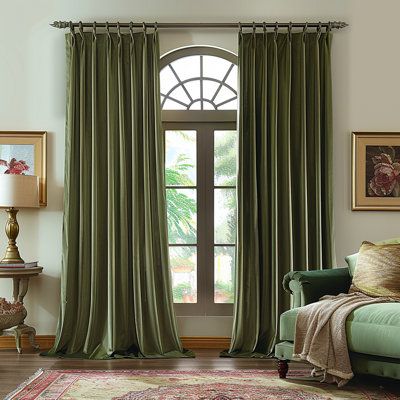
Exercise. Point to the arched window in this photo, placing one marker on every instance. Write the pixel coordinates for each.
(203, 81)
(199, 101)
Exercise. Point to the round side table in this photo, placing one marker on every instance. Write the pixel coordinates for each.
(20, 277)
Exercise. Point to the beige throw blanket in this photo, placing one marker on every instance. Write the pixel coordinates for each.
(320, 336)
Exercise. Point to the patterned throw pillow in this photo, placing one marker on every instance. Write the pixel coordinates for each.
(377, 271)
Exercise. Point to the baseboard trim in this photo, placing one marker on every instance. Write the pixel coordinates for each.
(206, 342)
(44, 341)
(189, 342)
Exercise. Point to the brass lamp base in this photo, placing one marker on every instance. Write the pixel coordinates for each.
(12, 229)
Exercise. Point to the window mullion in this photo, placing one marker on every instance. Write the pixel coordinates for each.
(201, 84)
(202, 214)
(209, 187)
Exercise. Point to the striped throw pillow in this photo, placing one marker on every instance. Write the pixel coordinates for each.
(377, 271)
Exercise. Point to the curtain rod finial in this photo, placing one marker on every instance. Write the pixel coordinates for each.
(60, 24)
(340, 24)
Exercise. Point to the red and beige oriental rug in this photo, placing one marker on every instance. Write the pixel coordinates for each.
(185, 385)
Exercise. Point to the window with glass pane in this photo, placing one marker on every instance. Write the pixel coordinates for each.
(199, 82)
(183, 260)
(200, 175)
(225, 159)
(180, 178)
(224, 265)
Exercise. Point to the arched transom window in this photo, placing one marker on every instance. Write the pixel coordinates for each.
(199, 82)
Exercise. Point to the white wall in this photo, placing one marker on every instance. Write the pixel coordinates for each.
(366, 65)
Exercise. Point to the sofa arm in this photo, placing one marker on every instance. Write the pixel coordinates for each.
(309, 286)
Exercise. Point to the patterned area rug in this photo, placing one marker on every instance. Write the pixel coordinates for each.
(184, 385)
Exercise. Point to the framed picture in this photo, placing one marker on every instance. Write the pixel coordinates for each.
(25, 153)
(376, 171)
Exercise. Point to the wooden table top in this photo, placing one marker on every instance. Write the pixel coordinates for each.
(20, 272)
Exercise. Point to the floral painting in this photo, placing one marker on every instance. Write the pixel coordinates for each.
(383, 171)
(24, 153)
(17, 159)
(376, 171)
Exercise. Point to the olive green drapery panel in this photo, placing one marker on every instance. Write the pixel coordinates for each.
(115, 289)
(285, 176)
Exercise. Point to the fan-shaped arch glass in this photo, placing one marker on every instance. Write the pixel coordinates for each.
(199, 82)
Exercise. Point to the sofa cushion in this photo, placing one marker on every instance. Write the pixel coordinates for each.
(287, 324)
(371, 329)
(351, 260)
(377, 271)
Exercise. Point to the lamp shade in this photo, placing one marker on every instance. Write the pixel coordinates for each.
(19, 191)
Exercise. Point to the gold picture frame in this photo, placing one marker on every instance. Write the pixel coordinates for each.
(29, 147)
(376, 171)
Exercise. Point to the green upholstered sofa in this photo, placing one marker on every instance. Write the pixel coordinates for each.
(373, 331)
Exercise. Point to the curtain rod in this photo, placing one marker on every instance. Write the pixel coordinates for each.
(223, 25)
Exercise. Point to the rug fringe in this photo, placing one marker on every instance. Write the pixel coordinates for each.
(24, 384)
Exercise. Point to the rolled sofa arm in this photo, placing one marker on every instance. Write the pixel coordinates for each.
(309, 286)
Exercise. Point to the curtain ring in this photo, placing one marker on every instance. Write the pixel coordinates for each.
(71, 28)
(108, 30)
(329, 28)
(240, 28)
(81, 29)
(254, 28)
(276, 30)
(131, 29)
(94, 30)
(144, 27)
(155, 26)
(119, 31)
(319, 29)
(304, 31)
(290, 26)
(72, 32)
(264, 25)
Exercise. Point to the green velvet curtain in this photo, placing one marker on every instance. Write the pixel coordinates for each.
(285, 176)
(115, 287)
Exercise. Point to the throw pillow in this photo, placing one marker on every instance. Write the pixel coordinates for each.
(377, 271)
(351, 260)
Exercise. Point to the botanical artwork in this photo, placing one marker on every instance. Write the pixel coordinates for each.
(376, 171)
(382, 171)
(17, 159)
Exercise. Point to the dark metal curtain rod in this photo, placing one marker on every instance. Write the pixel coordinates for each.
(177, 25)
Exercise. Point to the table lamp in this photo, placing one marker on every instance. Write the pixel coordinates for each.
(16, 191)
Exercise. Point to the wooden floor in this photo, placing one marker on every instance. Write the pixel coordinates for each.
(15, 368)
